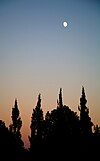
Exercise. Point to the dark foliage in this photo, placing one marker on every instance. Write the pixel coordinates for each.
(36, 129)
(85, 120)
(60, 135)
(11, 144)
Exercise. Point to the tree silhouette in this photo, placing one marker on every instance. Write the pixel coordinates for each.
(85, 120)
(16, 120)
(14, 129)
(61, 134)
(61, 130)
(36, 128)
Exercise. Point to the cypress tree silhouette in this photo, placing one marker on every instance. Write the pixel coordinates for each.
(61, 135)
(86, 142)
(85, 120)
(61, 130)
(14, 129)
(36, 128)
(16, 120)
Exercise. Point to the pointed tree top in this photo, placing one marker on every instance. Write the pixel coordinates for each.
(39, 96)
(60, 102)
(83, 97)
(15, 102)
(60, 90)
(83, 90)
(39, 101)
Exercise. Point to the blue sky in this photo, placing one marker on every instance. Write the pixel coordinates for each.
(37, 54)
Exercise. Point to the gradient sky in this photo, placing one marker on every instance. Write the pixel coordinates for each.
(37, 54)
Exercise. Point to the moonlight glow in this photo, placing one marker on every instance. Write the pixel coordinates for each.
(65, 24)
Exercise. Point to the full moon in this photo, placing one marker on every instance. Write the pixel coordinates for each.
(65, 24)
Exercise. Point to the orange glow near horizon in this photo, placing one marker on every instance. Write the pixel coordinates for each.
(26, 105)
(39, 55)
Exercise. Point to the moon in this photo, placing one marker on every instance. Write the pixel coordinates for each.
(65, 24)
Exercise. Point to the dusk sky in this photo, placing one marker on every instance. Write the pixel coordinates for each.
(39, 55)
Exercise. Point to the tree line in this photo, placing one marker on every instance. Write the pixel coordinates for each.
(61, 133)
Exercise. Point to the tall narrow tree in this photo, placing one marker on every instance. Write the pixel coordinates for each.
(16, 125)
(16, 119)
(36, 125)
(85, 120)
